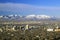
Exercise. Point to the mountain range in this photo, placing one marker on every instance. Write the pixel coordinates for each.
(28, 17)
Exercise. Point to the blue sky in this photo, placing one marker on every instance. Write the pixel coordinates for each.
(28, 7)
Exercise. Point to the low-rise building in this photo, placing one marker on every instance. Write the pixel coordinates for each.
(49, 29)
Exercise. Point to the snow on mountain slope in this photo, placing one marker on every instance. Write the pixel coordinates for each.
(1, 16)
(28, 17)
(43, 16)
(38, 16)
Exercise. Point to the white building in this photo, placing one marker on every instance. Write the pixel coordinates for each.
(26, 27)
(49, 29)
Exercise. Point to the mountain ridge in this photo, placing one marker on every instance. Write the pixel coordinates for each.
(28, 17)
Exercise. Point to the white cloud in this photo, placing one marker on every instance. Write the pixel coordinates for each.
(25, 6)
(21, 8)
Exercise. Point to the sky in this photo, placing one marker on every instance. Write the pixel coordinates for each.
(29, 7)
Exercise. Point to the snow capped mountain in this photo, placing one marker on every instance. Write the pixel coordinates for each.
(1, 16)
(38, 16)
(28, 17)
(43, 16)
